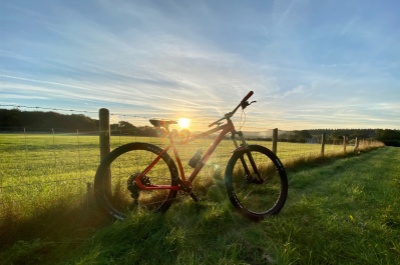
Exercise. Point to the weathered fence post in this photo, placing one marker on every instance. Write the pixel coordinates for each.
(275, 141)
(104, 136)
(323, 140)
(344, 144)
(104, 132)
(356, 145)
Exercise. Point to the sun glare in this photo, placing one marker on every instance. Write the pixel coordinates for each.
(184, 123)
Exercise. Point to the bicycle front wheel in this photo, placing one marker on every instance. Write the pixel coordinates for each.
(116, 190)
(256, 182)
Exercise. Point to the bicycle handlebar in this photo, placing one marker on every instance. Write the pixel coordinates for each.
(247, 96)
(230, 114)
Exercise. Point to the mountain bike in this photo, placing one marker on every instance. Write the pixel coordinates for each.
(143, 177)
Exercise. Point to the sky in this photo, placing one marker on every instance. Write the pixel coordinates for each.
(311, 63)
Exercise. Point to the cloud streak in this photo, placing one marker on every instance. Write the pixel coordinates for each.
(308, 67)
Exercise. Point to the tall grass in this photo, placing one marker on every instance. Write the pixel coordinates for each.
(44, 178)
(345, 211)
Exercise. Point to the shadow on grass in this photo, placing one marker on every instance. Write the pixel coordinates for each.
(31, 239)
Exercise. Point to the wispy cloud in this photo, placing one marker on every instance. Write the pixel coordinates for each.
(308, 66)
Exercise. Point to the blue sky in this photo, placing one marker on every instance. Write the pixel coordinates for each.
(311, 63)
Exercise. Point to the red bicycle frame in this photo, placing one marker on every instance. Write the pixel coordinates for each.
(226, 128)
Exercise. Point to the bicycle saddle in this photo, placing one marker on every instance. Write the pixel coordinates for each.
(162, 123)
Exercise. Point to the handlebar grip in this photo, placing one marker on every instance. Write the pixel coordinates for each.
(247, 96)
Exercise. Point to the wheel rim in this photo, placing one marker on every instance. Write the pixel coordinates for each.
(121, 195)
(250, 194)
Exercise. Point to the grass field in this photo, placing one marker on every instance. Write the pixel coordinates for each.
(36, 170)
(344, 211)
(45, 198)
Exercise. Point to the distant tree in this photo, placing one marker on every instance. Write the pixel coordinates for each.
(284, 137)
(337, 134)
(43, 121)
(389, 137)
(81, 121)
(360, 134)
(299, 136)
(387, 134)
(305, 134)
(10, 118)
(147, 131)
(124, 127)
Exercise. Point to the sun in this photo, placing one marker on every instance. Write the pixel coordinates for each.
(184, 123)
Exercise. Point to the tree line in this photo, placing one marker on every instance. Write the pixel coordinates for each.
(39, 121)
(387, 136)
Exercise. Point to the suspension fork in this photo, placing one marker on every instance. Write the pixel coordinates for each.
(244, 146)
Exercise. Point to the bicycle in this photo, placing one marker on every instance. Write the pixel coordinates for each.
(255, 178)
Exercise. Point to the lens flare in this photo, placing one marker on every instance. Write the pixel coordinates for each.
(184, 123)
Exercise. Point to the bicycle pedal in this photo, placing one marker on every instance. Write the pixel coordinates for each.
(194, 197)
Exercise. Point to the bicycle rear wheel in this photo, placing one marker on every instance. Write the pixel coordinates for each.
(256, 195)
(115, 188)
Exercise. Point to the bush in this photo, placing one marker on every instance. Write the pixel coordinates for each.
(395, 143)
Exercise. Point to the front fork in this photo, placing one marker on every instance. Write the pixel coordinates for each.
(256, 177)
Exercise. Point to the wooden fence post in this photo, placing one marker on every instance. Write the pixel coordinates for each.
(104, 136)
(344, 144)
(356, 145)
(323, 140)
(104, 132)
(275, 141)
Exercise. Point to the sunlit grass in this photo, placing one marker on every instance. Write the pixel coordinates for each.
(37, 169)
(345, 212)
(341, 213)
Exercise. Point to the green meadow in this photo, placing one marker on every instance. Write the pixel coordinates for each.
(342, 209)
(39, 168)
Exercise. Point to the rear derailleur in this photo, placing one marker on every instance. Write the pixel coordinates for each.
(133, 187)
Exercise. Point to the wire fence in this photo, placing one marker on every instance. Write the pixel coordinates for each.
(38, 167)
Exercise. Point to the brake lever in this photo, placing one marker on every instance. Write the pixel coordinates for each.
(245, 104)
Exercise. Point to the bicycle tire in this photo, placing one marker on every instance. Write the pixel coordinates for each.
(118, 194)
(253, 198)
